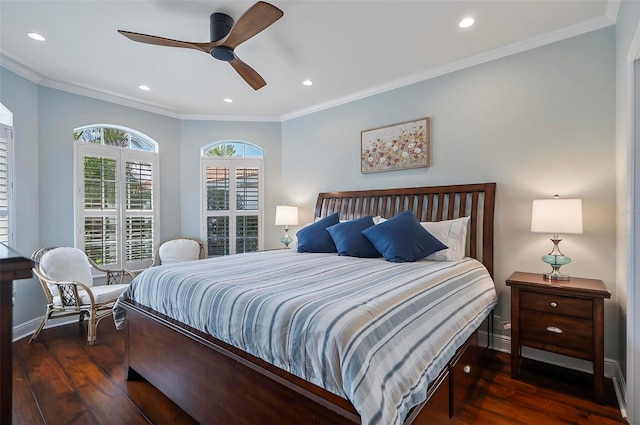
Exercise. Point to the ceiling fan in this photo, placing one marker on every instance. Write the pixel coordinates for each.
(225, 37)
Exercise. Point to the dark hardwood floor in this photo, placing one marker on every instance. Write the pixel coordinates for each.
(60, 380)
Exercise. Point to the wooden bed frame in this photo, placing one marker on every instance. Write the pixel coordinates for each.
(217, 383)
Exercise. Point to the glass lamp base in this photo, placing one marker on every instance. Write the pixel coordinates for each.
(286, 239)
(556, 261)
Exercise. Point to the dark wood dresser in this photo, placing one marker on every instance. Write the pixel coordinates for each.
(563, 317)
(12, 266)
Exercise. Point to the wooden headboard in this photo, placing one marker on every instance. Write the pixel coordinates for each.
(435, 203)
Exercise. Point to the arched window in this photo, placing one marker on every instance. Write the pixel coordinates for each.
(116, 196)
(233, 197)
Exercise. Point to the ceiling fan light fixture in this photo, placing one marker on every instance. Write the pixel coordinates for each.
(466, 22)
(222, 53)
(307, 83)
(36, 36)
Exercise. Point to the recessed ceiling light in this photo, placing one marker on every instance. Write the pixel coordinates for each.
(36, 36)
(145, 88)
(228, 100)
(307, 82)
(466, 22)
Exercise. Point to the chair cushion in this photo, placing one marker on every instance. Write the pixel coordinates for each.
(101, 294)
(67, 264)
(178, 250)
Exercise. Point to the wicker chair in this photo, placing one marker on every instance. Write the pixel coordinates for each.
(66, 279)
(178, 250)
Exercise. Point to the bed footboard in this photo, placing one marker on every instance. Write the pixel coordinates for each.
(215, 382)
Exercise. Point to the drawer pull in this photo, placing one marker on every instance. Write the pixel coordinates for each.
(554, 304)
(466, 369)
(554, 329)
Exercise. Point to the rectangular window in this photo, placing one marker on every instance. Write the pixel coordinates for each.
(118, 189)
(232, 227)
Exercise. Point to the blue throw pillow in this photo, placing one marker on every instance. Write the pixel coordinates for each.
(315, 238)
(349, 239)
(402, 239)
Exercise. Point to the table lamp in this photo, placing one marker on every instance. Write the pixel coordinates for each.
(286, 216)
(556, 216)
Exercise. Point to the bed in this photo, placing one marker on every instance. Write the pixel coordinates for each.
(219, 376)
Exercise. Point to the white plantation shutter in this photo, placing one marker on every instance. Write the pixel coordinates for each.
(116, 199)
(248, 202)
(139, 211)
(6, 137)
(232, 205)
(99, 213)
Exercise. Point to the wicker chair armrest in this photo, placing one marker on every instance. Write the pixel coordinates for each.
(116, 277)
(113, 276)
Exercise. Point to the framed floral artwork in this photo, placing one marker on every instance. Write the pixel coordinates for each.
(396, 147)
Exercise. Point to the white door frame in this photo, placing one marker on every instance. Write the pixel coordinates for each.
(633, 269)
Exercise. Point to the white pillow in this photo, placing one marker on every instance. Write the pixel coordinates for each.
(179, 250)
(452, 233)
(67, 264)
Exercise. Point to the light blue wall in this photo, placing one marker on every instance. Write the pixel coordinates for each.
(21, 97)
(537, 123)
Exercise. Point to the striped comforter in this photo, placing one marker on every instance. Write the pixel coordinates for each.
(374, 332)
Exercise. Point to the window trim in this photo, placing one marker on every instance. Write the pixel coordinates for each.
(231, 162)
(120, 155)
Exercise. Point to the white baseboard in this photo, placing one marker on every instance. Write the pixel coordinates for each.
(611, 367)
(28, 328)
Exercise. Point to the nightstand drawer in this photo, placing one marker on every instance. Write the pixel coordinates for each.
(557, 304)
(545, 331)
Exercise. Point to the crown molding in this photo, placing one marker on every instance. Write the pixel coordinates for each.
(251, 118)
(613, 6)
(16, 67)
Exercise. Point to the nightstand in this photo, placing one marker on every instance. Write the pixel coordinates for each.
(564, 317)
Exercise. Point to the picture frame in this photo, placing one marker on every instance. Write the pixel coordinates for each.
(398, 146)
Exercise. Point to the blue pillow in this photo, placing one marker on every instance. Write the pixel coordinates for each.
(315, 238)
(402, 239)
(349, 239)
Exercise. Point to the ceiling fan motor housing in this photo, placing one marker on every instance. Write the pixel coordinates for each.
(220, 25)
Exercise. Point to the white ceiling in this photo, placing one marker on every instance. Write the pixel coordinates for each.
(350, 49)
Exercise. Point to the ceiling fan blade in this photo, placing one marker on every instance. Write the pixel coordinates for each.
(161, 41)
(247, 73)
(255, 19)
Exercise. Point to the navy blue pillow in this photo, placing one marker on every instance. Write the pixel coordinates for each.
(315, 238)
(402, 239)
(349, 239)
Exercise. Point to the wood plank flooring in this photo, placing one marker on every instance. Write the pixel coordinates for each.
(60, 380)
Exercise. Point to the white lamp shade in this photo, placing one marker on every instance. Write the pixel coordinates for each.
(557, 216)
(286, 215)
